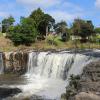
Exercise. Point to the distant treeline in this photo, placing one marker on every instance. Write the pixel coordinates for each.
(38, 25)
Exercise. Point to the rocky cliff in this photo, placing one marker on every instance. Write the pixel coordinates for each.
(15, 62)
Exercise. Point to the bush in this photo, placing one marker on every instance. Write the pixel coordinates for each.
(51, 39)
(25, 33)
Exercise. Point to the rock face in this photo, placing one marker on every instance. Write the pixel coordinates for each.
(15, 62)
(86, 96)
(89, 83)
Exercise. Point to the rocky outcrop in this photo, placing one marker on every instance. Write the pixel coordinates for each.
(15, 62)
(86, 96)
(6, 92)
(90, 80)
(88, 86)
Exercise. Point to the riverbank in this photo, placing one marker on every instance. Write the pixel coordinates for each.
(6, 45)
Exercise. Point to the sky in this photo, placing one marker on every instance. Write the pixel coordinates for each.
(66, 10)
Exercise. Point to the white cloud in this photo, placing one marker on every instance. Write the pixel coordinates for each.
(39, 3)
(97, 3)
(62, 15)
(60, 10)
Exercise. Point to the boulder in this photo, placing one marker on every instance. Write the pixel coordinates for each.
(6, 92)
(86, 96)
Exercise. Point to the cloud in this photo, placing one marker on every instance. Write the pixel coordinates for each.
(39, 3)
(62, 15)
(97, 3)
(59, 9)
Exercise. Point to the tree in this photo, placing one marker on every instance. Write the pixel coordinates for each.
(61, 27)
(6, 23)
(97, 30)
(82, 28)
(37, 16)
(45, 24)
(42, 20)
(24, 33)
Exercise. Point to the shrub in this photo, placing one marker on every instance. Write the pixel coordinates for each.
(25, 33)
(51, 39)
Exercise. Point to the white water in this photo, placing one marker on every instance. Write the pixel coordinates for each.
(1, 64)
(48, 73)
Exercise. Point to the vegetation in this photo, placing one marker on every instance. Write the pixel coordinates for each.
(6, 23)
(42, 20)
(41, 32)
(82, 28)
(25, 33)
(97, 30)
(61, 27)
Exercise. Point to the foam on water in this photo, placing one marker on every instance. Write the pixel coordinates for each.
(48, 73)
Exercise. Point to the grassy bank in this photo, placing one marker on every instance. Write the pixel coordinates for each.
(7, 45)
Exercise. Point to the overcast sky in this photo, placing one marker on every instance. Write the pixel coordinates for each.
(60, 9)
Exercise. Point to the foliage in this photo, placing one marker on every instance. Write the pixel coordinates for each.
(6, 23)
(42, 20)
(65, 37)
(82, 28)
(46, 21)
(37, 15)
(61, 27)
(97, 38)
(25, 33)
(97, 30)
(51, 40)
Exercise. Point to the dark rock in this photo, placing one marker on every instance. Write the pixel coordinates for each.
(90, 80)
(6, 92)
(89, 83)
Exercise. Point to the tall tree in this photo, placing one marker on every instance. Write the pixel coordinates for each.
(61, 27)
(42, 20)
(45, 24)
(37, 16)
(6, 23)
(82, 28)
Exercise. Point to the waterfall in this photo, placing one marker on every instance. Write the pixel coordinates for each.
(48, 72)
(56, 65)
(1, 64)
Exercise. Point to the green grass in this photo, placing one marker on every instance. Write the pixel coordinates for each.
(6, 45)
(1, 34)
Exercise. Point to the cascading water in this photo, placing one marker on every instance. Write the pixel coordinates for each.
(48, 72)
(55, 65)
(1, 64)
